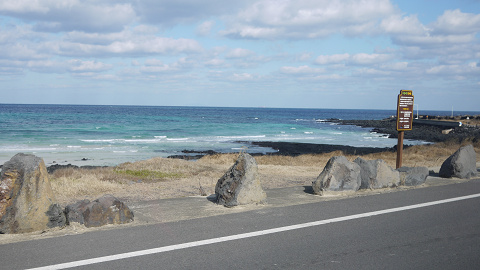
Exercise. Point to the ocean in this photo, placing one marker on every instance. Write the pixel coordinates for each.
(110, 135)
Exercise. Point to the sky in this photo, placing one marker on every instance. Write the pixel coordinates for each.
(253, 53)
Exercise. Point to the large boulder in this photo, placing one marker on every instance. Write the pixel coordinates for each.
(240, 185)
(413, 176)
(461, 164)
(377, 174)
(102, 211)
(338, 175)
(27, 202)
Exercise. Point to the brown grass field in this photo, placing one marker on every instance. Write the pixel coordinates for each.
(160, 178)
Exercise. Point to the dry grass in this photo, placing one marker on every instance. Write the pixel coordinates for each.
(167, 178)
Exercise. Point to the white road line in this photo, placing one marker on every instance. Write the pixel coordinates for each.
(247, 235)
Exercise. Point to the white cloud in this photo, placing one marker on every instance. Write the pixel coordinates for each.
(371, 71)
(171, 12)
(304, 19)
(433, 40)
(96, 38)
(407, 25)
(355, 59)
(215, 63)
(332, 59)
(239, 53)
(23, 6)
(204, 28)
(396, 66)
(328, 77)
(301, 70)
(157, 66)
(70, 15)
(457, 23)
(466, 70)
(77, 65)
(452, 35)
(304, 57)
(139, 46)
(242, 77)
(368, 59)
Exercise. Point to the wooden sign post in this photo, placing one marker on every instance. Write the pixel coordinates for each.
(404, 120)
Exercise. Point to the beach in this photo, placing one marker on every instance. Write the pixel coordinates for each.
(291, 167)
(141, 153)
(292, 164)
(110, 135)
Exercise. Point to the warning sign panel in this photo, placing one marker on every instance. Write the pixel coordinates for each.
(405, 110)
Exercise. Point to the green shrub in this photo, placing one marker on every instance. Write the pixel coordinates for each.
(147, 174)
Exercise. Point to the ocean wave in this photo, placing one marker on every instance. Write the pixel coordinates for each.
(25, 149)
(178, 139)
(142, 140)
(101, 140)
(241, 137)
(123, 140)
(305, 120)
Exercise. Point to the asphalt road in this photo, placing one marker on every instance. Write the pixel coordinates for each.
(339, 234)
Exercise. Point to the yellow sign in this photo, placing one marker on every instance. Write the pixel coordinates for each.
(405, 110)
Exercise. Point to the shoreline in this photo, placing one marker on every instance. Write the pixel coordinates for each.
(429, 134)
(422, 132)
(290, 149)
(295, 149)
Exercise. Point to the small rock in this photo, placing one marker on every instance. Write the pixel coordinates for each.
(102, 211)
(413, 176)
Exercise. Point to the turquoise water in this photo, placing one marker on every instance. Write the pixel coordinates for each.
(109, 135)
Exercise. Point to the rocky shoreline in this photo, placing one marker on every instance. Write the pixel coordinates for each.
(426, 133)
(423, 132)
(296, 149)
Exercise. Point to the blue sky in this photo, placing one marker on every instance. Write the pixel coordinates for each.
(282, 53)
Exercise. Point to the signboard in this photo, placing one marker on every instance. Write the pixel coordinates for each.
(405, 110)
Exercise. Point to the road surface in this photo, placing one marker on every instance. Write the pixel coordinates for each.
(426, 228)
